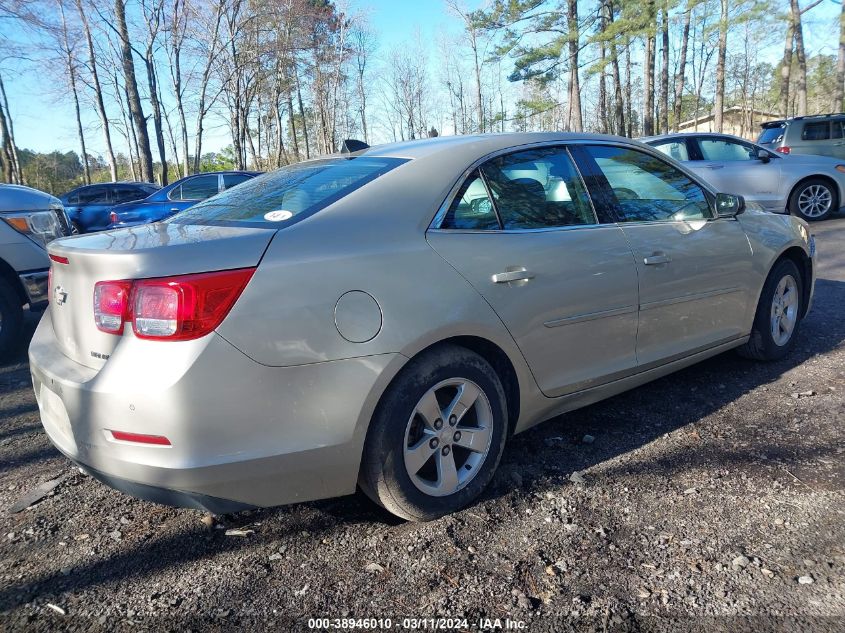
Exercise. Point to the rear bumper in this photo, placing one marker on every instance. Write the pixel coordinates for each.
(242, 434)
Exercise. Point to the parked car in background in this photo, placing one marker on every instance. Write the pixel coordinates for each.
(822, 135)
(175, 197)
(811, 187)
(31, 219)
(391, 316)
(88, 206)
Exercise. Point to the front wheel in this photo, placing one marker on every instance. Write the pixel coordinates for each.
(437, 435)
(814, 199)
(778, 314)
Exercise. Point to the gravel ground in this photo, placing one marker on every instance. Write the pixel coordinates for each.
(708, 500)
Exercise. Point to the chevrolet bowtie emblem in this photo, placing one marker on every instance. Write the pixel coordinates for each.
(59, 295)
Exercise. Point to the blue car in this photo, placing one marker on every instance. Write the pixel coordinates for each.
(176, 197)
(88, 207)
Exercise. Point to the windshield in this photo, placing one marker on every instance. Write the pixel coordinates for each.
(771, 135)
(290, 193)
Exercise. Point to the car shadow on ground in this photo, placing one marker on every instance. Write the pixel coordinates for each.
(542, 457)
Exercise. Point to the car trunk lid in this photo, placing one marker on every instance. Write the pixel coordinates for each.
(142, 252)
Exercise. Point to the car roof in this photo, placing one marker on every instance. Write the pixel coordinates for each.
(476, 144)
(679, 135)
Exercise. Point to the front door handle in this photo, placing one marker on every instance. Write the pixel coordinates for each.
(518, 274)
(715, 166)
(656, 258)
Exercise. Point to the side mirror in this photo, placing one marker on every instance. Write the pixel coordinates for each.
(728, 205)
(762, 155)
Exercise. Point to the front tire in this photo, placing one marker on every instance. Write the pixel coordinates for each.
(437, 435)
(778, 315)
(813, 200)
(11, 319)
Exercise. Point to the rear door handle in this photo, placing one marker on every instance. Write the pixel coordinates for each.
(519, 274)
(656, 258)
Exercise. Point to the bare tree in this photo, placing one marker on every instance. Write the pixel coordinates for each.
(719, 101)
(97, 88)
(664, 69)
(839, 87)
(132, 94)
(71, 70)
(648, 69)
(680, 75)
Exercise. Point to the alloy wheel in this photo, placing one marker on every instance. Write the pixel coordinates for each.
(784, 311)
(448, 437)
(814, 201)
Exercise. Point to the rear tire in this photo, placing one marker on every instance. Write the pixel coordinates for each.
(778, 316)
(420, 462)
(813, 200)
(11, 319)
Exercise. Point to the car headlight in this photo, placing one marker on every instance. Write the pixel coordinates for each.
(805, 235)
(41, 226)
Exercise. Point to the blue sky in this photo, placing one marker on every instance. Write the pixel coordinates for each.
(44, 121)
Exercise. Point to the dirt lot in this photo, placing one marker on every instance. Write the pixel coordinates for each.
(711, 499)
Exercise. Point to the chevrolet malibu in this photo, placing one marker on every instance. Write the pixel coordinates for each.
(390, 317)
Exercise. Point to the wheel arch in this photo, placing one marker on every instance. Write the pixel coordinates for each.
(8, 274)
(805, 266)
(830, 181)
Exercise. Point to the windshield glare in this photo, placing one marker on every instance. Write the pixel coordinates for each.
(289, 193)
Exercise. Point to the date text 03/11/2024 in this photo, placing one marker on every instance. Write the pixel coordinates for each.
(417, 624)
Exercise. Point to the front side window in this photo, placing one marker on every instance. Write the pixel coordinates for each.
(675, 149)
(648, 189)
(124, 193)
(198, 188)
(230, 180)
(816, 131)
(538, 188)
(295, 190)
(718, 149)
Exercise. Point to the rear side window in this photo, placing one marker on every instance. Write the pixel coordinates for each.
(230, 180)
(94, 195)
(472, 208)
(724, 150)
(538, 188)
(773, 134)
(675, 149)
(837, 128)
(125, 193)
(295, 190)
(819, 131)
(198, 188)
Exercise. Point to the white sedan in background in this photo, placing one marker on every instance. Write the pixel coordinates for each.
(811, 187)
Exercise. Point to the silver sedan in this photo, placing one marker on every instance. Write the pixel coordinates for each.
(388, 318)
(811, 187)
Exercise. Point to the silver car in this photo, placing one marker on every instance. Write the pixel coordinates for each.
(388, 318)
(811, 187)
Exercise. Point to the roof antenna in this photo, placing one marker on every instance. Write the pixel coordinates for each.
(352, 145)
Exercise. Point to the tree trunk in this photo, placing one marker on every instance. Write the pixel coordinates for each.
(839, 88)
(618, 109)
(719, 103)
(798, 32)
(786, 69)
(7, 136)
(629, 106)
(292, 123)
(98, 92)
(71, 75)
(648, 85)
(132, 94)
(681, 74)
(574, 83)
(302, 117)
(664, 74)
(152, 82)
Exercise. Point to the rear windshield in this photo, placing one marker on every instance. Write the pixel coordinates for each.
(290, 193)
(771, 135)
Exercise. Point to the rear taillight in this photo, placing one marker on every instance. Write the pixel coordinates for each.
(783, 150)
(111, 305)
(113, 218)
(172, 308)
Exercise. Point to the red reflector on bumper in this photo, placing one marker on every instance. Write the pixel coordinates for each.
(140, 438)
(59, 259)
